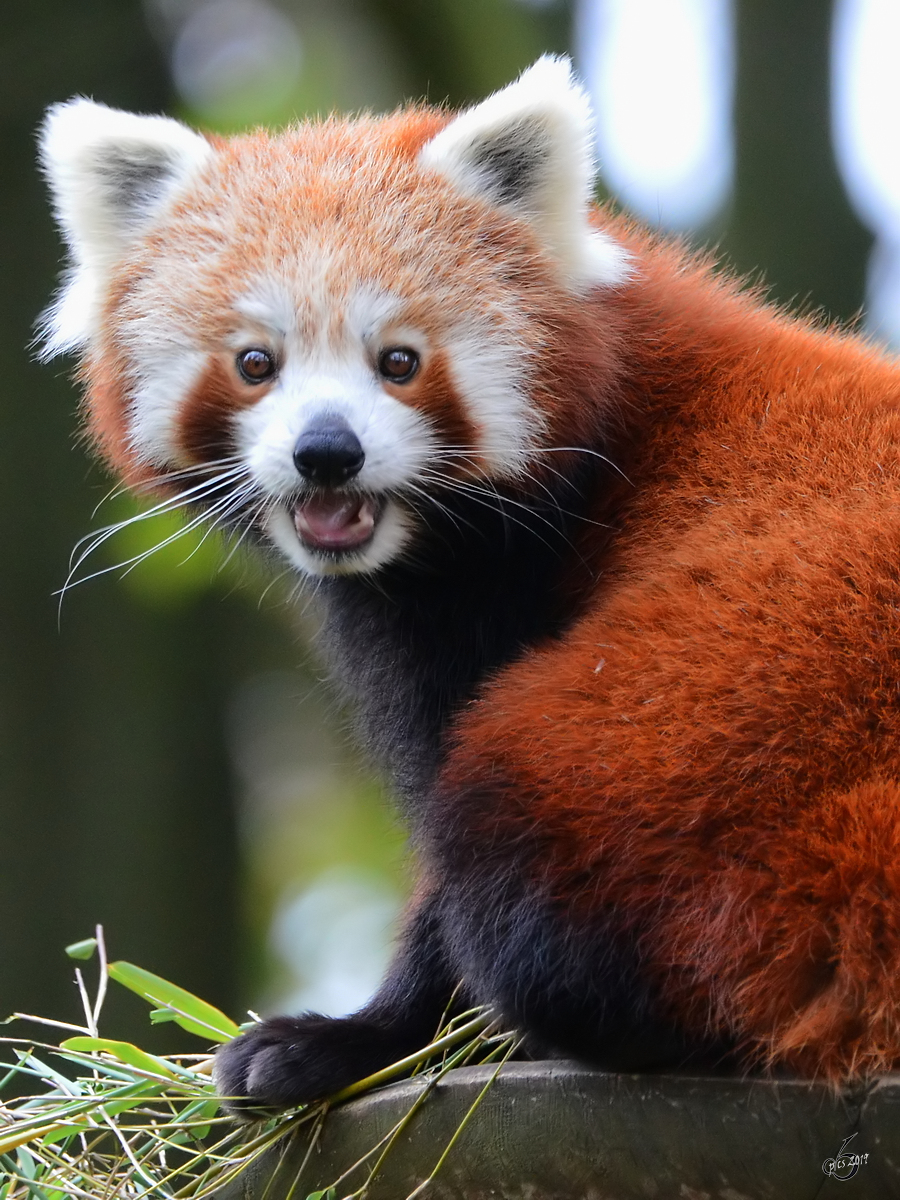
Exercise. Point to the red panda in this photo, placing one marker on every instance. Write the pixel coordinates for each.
(607, 552)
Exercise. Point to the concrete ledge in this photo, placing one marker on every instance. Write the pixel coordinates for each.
(556, 1131)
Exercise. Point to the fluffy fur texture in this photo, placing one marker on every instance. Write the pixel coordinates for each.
(611, 574)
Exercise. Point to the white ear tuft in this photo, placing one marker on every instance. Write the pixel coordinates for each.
(110, 173)
(529, 148)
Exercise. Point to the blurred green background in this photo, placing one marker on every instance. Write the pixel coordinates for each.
(171, 763)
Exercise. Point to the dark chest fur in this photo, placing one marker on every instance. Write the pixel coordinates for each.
(411, 645)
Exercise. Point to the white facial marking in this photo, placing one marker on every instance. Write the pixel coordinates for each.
(329, 369)
(335, 377)
(268, 307)
(396, 439)
(489, 372)
(166, 365)
(370, 311)
(157, 403)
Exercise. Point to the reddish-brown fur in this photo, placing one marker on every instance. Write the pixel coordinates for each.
(714, 742)
(205, 417)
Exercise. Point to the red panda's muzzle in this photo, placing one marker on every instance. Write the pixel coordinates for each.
(335, 521)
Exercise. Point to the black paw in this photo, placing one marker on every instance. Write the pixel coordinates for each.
(295, 1060)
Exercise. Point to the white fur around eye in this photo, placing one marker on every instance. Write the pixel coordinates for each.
(396, 439)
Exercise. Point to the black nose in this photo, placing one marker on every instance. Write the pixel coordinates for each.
(328, 452)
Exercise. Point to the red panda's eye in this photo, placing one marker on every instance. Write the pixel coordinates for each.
(398, 364)
(256, 366)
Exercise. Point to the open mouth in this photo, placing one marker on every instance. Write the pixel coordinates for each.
(335, 521)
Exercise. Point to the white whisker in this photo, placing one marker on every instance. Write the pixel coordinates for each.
(169, 504)
(166, 477)
(277, 579)
(583, 450)
(215, 514)
(238, 491)
(435, 503)
(492, 500)
(253, 518)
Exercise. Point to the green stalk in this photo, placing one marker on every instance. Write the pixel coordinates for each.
(470, 1029)
(513, 1046)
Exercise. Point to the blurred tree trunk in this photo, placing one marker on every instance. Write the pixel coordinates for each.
(115, 799)
(791, 217)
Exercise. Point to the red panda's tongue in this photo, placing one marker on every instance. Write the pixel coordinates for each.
(334, 520)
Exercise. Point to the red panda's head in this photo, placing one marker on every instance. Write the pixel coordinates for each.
(316, 331)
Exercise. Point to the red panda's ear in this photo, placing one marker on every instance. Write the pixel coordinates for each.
(110, 173)
(529, 148)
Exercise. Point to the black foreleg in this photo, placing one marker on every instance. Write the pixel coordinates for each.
(573, 987)
(559, 966)
(293, 1060)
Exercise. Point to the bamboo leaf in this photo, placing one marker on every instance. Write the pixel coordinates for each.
(100, 1066)
(190, 1012)
(59, 1135)
(159, 1016)
(28, 1059)
(84, 949)
(13, 1141)
(125, 1052)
